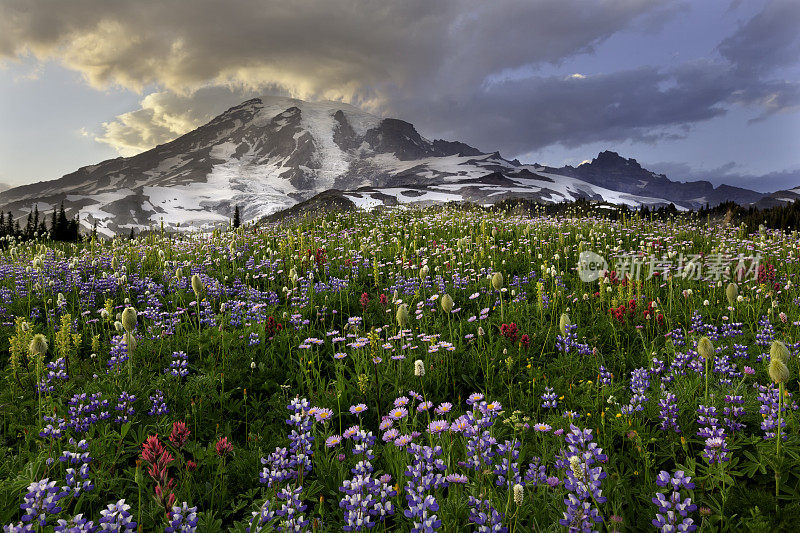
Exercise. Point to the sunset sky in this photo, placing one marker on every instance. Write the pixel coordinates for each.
(706, 89)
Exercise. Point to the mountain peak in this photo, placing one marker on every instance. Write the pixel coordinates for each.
(273, 152)
(611, 159)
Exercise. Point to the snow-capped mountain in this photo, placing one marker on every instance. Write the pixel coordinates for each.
(270, 153)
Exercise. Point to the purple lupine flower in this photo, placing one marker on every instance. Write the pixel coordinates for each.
(56, 370)
(54, 428)
(158, 406)
(485, 516)
(507, 470)
(425, 474)
(41, 500)
(125, 407)
(766, 333)
(726, 368)
(740, 351)
(479, 451)
(536, 473)
(733, 412)
(265, 515)
(669, 412)
(117, 518)
(76, 524)
(291, 511)
(78, 480)
(582, 479)
(86, 410)
(550, 398)
(715, 450)
(677, 337)
(119, 353)
(283, 463)
(179, 366)
(640, 382)
(673, 511)
(183, 519)
(604, 376)
(768, 397)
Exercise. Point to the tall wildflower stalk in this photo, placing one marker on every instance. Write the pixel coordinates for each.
(706, 351)
(778, 373)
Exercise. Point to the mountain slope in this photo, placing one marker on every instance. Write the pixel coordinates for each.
(268, 154)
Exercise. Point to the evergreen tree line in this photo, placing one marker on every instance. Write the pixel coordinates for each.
(785, 217)
(61, 228)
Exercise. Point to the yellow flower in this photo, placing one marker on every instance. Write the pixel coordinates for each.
(619, 415)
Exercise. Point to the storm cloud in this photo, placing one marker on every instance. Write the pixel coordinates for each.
(442, 65)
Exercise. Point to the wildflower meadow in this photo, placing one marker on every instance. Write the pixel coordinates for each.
(441, 369)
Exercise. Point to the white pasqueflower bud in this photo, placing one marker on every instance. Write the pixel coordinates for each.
(118, 325)
(197, 285)
(38, 345)
(481, 333)
(222, 307)
(252, 365)
(419, 368)
(104, 314)
(447, 303)
(518, 494)
(179, 273)
(705, 348)
(402, 315)
(497, 281)
(129, 319)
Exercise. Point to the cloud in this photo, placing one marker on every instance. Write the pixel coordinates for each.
(164, 115)
(326, 48)
(731, 174)
(767, 41)
(525, 114)
(427, 62)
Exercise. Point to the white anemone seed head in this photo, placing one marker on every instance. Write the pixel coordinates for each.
(447, 303)
(497, 281)
(197, 285)
(731, 293)
(778, 350)
(705, 348)
(564, 323)
(129, 319)
(402, 315)
(38, 345)
(778, 371)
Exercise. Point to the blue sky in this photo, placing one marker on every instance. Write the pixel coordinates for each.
(697, 90)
